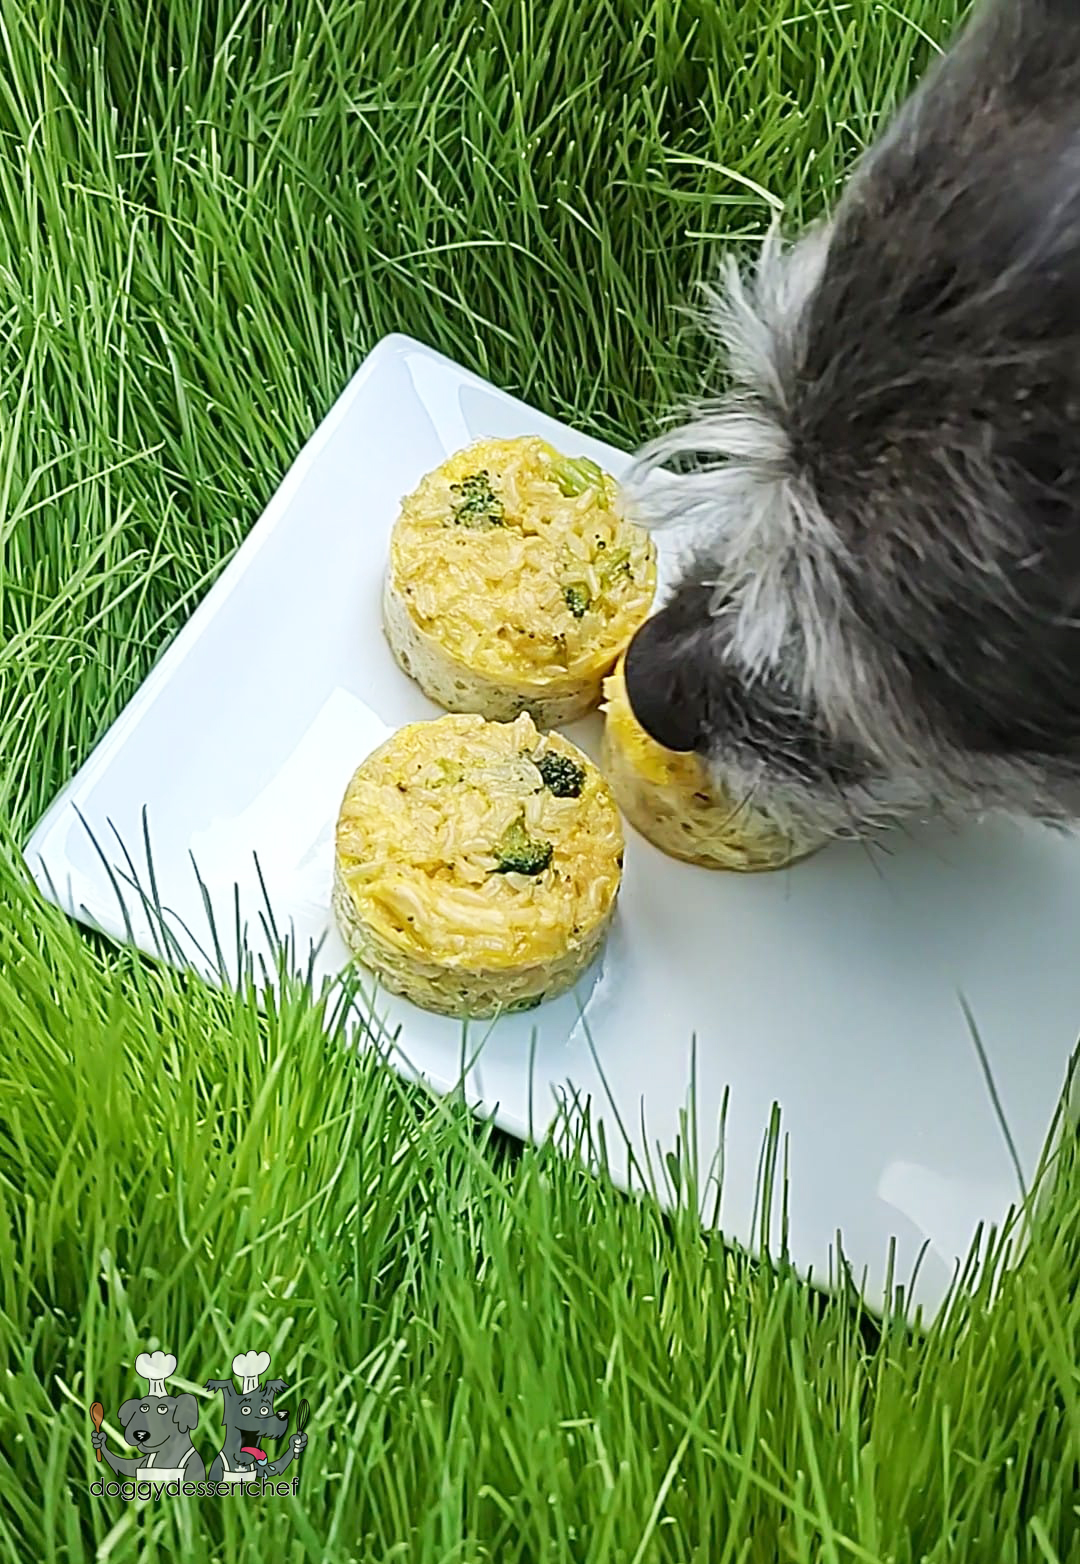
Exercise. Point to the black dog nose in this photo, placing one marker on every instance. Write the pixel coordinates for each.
(140, 1436)
(665, 690)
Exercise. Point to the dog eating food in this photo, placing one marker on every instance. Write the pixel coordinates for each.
(880, 620)
(514, 582)
(671, 799)
(477, 864)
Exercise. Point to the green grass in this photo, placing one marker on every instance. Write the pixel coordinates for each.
(207, 215)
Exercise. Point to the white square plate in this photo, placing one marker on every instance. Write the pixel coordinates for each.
(833, 990)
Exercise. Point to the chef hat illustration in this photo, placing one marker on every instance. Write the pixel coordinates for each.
(155, 1368)
(250, 1366)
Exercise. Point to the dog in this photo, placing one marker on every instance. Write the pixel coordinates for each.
(159, 1426)
(250, 1421)
(877, 615)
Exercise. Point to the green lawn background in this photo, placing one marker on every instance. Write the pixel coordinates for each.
(208, 214)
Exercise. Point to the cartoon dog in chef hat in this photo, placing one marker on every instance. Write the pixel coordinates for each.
(250, 1422)
(159, 1426)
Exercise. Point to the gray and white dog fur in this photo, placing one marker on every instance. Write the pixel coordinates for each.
(881, 615)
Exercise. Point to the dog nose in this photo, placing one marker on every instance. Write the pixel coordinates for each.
(664, 689)
(141, 1435)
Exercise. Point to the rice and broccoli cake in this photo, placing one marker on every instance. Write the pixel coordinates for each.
(477, 864)
(674, 803)
(515, 581)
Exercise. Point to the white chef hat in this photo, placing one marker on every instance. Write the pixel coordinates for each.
(250, 1366)
(155, 1368)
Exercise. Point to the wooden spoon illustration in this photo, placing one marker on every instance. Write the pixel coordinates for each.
(97, 1413)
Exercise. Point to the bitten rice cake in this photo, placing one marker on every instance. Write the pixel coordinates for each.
(672, 801)
(515, 581)
(477, 864)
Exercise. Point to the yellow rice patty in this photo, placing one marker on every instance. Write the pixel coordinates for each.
(477, 864)
(673, 802)
(515, 581)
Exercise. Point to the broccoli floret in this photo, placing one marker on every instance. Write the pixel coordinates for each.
(576, 474)
(561, 775)
(452, 772)
(478, 506)
(617, 563)
(520, 853)
(576, 597)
